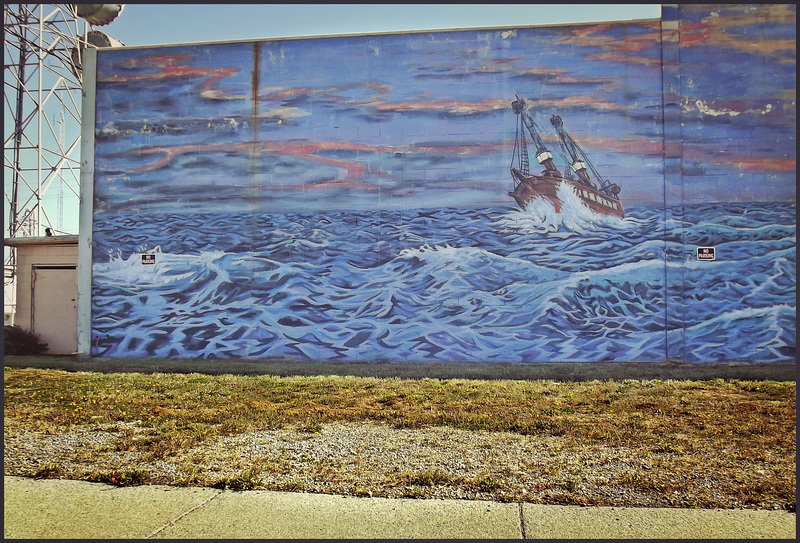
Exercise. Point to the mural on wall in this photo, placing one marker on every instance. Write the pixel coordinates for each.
(480, 195)
(730, 176)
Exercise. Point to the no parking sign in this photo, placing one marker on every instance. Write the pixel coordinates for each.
(706, 253)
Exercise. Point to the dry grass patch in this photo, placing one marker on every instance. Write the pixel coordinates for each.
(753, 418)
(716, 425)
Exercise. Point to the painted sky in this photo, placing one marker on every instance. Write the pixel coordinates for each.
(738, 101)
(424, 119)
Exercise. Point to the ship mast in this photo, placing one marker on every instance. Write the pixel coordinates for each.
(580, 160)
(543, 155)
(522, 146)
(578, 165)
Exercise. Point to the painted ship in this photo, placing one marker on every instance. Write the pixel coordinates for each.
(597, 193)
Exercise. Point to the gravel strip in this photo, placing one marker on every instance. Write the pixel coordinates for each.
(375, 460)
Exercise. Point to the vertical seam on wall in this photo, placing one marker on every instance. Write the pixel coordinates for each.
(664, 197)
(670, 73)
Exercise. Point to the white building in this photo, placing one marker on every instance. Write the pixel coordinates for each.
(46, 293)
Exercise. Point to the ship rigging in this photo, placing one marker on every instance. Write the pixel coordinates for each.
(597, 193)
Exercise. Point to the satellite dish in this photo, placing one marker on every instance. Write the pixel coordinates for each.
(101, 39)
(94, 38)
(98, 14)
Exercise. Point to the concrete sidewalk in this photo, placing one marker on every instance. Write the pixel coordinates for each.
(64, 509)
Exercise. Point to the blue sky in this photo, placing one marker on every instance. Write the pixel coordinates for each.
(153, 24)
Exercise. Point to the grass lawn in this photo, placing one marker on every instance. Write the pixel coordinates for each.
(702, 422)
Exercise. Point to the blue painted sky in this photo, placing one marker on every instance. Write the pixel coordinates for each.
(737, 97)
(424, 119)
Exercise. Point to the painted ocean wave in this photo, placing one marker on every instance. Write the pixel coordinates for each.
(493, 284)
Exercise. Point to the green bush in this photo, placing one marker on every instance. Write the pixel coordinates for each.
(21, 342)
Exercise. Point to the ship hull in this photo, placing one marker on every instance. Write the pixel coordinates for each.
(529, 187)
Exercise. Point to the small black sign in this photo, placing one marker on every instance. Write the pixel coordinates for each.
(706, 253)
(148, 259)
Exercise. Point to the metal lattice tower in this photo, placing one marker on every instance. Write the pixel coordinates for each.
(43, 44)
(41, 151)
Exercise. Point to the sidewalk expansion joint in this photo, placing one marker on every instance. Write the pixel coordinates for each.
(188, 511)
(522, 522)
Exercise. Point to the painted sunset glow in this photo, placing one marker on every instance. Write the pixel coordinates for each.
(407, 121)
